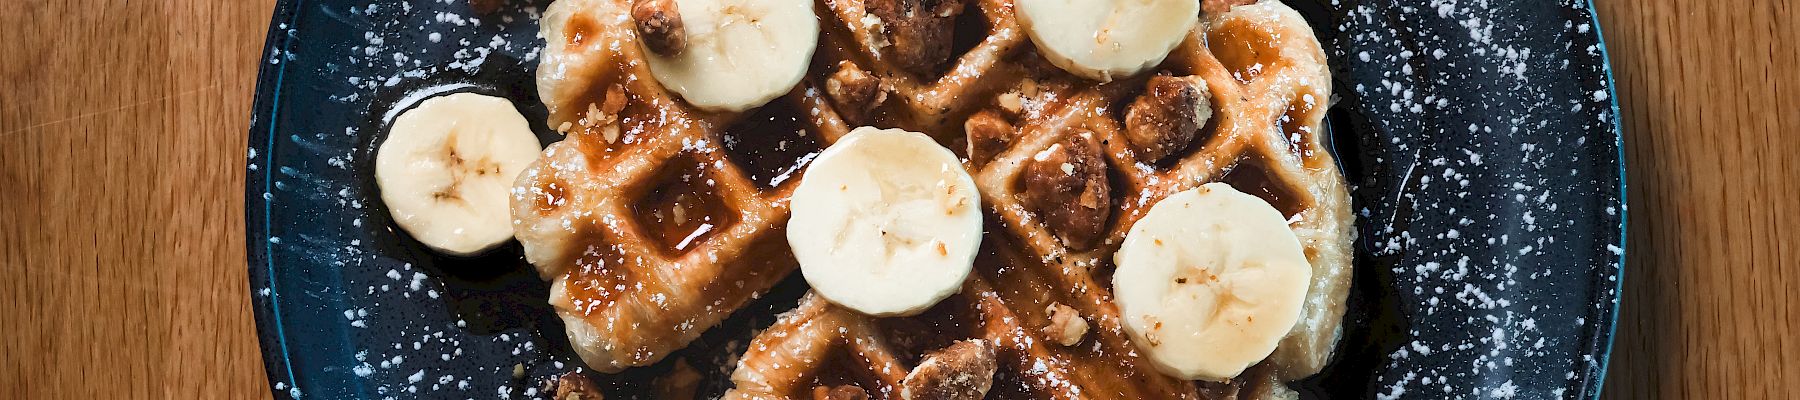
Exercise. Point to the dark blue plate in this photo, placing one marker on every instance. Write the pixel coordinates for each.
(1482, 146)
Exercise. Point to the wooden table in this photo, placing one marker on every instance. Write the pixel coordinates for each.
(1711, 98)
(121, 209)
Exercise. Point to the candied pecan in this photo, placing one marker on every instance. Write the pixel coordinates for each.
(1165, 120)
(1067, 184)
(1066, 325)
(659, 25)
(840, 392)
(575, 386)
(919, 30)
(963, 370)
(854, 92)
(988, 134)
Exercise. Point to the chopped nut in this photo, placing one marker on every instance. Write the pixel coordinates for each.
(989, 134)
(607, 111)
(919, 30)
(1072, 201)
(659, 24)
(614, 101)
(593, 116)
(1012, 102)
(1029, 88)
(963, 370)
(840, 392)
(875, 40)
(1165, 120)
(1066, 325)
(854, 92)
(610, 133)
(575, 386)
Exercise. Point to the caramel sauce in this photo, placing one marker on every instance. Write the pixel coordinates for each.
(683, 211)
(608, 118)
(945, 323)
(548, 197)
(1012, 383)
(581, 28)
(601, 274)
(911, 338)
(1020, 284)
(843, 368)
(1243, 49)
(1294, 129)
(772, 145)
(1249, 176)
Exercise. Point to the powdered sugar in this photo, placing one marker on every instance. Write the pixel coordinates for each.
(1476, 222)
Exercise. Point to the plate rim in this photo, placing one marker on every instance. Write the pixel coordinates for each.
(266, 310)
(1618, 129)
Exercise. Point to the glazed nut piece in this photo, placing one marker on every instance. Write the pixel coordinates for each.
(575, 386)
(1066, 325)
(840, 392)
(659, 24)
(989, 134)
(855, 92)
(1067, 184)
(963, 370)
(603, 115)
(1167, 117)
(919, 30)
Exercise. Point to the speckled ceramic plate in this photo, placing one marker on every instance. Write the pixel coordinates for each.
(1481, 140)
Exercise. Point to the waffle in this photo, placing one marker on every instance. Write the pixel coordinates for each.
(647, 229)
(633, 281)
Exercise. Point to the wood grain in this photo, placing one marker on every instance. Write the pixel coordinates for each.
(1709, 92)
(121, 215)
(122, 139)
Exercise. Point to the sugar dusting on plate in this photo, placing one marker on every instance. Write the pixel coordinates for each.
(1484, 272)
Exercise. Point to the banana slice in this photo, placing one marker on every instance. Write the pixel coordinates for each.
(737, 54)
(885, 222)
(1209, 281)
(1106, 39)
(446, 170)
